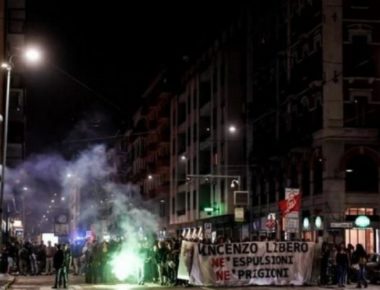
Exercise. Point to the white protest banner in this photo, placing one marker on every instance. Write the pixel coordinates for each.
(185, 260)
(251, 263)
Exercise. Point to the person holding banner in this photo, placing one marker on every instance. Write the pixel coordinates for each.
(325, 254)
(161, 257)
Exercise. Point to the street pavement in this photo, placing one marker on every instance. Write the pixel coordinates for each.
(77, 283)
(5, 280)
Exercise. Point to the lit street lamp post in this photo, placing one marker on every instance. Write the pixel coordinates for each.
(235, 182)
(32, 55)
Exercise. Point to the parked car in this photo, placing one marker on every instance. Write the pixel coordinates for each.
(373, 268)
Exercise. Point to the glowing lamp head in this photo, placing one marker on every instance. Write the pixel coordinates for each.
(33, 55)
(232, 129)
(6, 66)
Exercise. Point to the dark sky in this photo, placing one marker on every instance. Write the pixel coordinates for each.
(111, 47)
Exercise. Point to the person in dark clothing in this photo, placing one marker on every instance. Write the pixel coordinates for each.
(325, 253)
(76, 254)
(58, 260)
(66, 264)
(160, 256)
(360, 256)
(350, 275)
(41, 257)
(342, 264)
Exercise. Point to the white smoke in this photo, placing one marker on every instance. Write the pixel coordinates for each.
(105, 204)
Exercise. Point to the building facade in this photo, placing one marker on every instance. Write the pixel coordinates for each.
(299, 81)
(15, 39)
(145, 148)
(207, 140)
(313, 116)
(12, 38)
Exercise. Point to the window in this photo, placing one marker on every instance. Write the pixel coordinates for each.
(361, 174)
(204, 92)
(222, 73)
(294, 176)
(181, 203)
(215, 80)
(359, 4)
(272, 190)
(195, 133)
(222, 192)
(194, 98)
(17, 26)
(214, 118)
(188, 104)
(188, 201)
(181, 113)
(263, 191)
(305, 187)
(204, 196)
(162, 209)
(318, 177)
(194, 200)
(361, 62)
(281, 187)
(189, 136)
(361, 104)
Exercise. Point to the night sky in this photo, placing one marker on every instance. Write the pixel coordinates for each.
(101, 57)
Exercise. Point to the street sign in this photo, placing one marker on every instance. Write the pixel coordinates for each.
(239, 214)
(341, 225)
(270, 223)
(291, 222)
(362, 221)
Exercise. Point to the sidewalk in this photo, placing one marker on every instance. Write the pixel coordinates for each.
(6, 280)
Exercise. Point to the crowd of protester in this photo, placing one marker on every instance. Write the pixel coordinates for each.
(342, 265)
(91, 258)
(339, 264)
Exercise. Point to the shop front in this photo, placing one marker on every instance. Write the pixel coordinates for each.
(365, 228)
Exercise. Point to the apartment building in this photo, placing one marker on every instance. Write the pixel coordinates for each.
(145, 149)
(207, 140)
(12, 37)
(313, 112)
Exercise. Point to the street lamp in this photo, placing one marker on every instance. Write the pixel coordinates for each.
(235, 178)
(232, 129)
(31, 55)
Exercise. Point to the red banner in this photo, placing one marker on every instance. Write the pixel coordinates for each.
(292, 203)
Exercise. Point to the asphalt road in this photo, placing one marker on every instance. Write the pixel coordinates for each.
(77, 283)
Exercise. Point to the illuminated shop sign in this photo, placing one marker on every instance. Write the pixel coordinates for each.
(362, 221)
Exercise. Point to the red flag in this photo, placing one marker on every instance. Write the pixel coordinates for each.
(293, 203)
